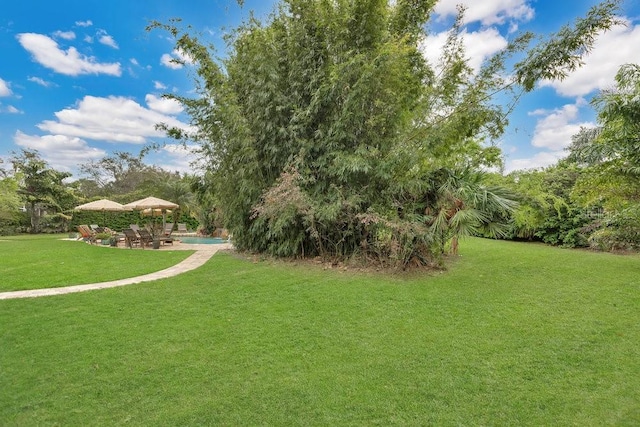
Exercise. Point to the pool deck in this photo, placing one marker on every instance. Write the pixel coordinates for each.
(202, 254)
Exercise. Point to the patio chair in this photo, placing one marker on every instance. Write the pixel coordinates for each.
(131, 238)
(86, 234)
(166, 237)
(145, 237)
(134, 227)
(182, 228)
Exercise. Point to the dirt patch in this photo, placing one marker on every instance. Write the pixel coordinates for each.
(350, 266)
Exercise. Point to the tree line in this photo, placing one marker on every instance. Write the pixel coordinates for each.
(34, 197)
(592, 197)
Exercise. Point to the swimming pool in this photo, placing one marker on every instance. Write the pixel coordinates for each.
(202, 240)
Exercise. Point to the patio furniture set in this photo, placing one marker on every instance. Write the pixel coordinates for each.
(134, 235)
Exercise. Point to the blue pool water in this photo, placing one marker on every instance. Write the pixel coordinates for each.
(202, 240)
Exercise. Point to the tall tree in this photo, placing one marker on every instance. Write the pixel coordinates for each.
(327, 132)
(116, 174)
(40, 186)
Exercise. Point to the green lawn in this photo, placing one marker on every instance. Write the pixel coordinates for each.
(513, 334)
(47, 261)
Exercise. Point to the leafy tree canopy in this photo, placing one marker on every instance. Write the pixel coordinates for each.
(611, 151)
(40, 187)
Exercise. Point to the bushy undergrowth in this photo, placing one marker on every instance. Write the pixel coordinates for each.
(621, 231)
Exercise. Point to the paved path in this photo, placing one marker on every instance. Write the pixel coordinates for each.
(202, 255)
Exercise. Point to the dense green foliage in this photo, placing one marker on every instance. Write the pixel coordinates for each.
(327, 133)
(513, 334)
(10, 205)
(41, 188)
(546, 211)
(592, 197)
(610, 153)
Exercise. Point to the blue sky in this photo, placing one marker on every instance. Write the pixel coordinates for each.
(82, 78)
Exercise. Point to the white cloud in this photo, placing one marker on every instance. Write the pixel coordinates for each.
(176, 157)
(60, 151)
(555, 129)
(112, 119)
(4, 88)
(70, 62)
(88, 39)
(159, 85)
(183, 56)
(432, 47)
(40, 81)
(67, 35)
(488, 12)
(163, 105)
(107, 40)
(539, 160)
(166, 59)
(611, 50)
(12, 110)
(478, 46)
(86, 23)
(134, 61)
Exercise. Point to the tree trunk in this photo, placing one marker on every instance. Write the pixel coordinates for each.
(34, 214)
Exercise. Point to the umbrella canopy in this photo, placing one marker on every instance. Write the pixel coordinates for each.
(102, 205)
(151, 203)
(154, 212)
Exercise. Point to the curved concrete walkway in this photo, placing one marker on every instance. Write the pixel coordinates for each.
(202, 255)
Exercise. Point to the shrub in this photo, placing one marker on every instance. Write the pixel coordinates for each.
(621, 231)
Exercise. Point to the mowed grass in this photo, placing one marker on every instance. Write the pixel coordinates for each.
(512, 334)
(47, 261)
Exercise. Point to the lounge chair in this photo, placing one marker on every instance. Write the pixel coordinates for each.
(145, 237)
(131, 238)
(182, 228)
(134, 227)
(86, 234)
(166, 236)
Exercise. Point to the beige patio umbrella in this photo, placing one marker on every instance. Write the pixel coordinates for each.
(152, 203)
(102, 205)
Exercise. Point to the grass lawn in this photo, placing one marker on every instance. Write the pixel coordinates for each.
(513, 334)
(46, 261)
